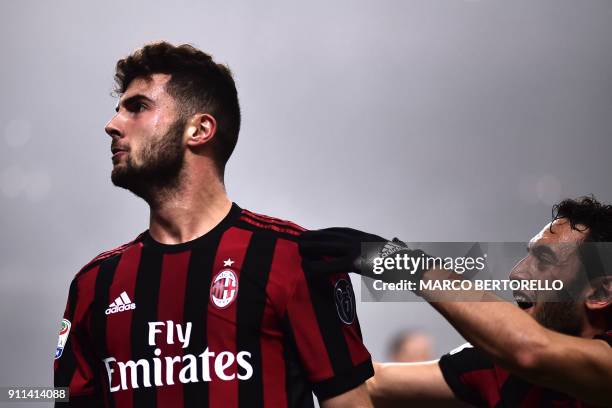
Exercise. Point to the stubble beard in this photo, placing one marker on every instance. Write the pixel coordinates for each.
(562, 314)
(160, 169)
(562, 317)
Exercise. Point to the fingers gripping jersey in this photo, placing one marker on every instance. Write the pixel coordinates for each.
(230, 319)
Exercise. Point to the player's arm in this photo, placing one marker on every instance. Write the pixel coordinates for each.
(74, 363)
(321, 321)
(399, 384)
(576, 366)
(357, 397)
(329, 344)
(512, 338)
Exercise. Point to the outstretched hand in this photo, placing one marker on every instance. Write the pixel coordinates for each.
(339, 249)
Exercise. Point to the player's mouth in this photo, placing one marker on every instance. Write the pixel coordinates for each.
(118, 152)
(524, 300)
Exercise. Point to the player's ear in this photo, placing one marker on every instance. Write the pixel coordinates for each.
(599, 295)
(200, 129)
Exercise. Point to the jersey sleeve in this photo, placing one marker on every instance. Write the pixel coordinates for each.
(469, 374)
(75, 365)
(322, 321)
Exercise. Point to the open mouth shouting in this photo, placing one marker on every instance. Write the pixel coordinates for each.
(523, 299)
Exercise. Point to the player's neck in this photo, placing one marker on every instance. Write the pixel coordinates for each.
(190, 211)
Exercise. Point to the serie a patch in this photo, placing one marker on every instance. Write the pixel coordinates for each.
(63, 338)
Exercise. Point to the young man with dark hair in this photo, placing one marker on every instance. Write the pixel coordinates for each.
(211, 306)
(550, 351)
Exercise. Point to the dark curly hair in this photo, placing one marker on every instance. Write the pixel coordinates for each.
(197, 83)
(588, 213)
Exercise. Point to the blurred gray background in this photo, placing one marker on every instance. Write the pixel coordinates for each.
(441, 120)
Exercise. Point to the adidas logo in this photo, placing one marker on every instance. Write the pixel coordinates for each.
(120, 304)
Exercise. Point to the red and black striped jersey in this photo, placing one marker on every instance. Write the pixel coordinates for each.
(233, 318)
(475, 379)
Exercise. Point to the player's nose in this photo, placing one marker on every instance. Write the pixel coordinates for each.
(520, 270)
(113, 127)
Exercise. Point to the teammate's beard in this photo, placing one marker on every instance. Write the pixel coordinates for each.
(561, 312)
(562, 317)
(159, 173)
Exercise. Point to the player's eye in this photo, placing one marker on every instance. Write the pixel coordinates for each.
(545, 261)
(136, 107)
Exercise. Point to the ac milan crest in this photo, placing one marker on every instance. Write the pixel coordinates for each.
(224, 288)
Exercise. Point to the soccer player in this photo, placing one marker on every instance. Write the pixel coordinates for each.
(210, 306)
(543, 353)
